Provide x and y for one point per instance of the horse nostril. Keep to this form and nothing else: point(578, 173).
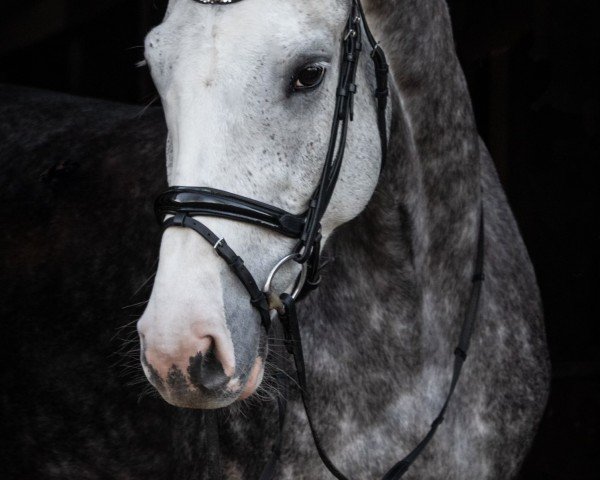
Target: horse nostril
point(206, 344)
point(206, 371)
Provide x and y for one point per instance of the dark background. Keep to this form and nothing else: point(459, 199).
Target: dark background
point(532, 68)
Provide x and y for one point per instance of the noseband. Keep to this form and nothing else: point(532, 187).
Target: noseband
point(178, 206)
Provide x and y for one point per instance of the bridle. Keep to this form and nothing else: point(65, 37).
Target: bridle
point(178, 206)
point(187, 202)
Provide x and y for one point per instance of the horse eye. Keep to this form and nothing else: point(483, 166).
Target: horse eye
point(308, 77)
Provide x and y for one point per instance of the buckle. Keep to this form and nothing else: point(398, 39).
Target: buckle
point(219, 243)
point(375, 48)
point(350, 33)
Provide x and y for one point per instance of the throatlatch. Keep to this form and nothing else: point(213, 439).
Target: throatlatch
point(178, 206)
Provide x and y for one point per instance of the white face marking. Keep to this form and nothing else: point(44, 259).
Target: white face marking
point(224, 74)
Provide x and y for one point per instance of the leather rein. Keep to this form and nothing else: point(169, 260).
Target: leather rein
point(178, 206)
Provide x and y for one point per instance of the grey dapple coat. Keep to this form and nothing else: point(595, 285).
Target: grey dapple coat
point(414, 246)
point(398, 280)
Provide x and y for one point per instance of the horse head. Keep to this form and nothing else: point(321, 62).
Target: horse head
point(248, 92)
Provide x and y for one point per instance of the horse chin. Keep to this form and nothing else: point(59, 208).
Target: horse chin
point(197, 402)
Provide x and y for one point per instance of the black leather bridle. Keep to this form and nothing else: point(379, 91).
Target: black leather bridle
point(178, 206)
point(187, 202)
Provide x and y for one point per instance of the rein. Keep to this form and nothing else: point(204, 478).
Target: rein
point(293, 343)
point(181, 204)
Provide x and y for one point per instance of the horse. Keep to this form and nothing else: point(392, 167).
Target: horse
point(248, 89)
point(78, 177)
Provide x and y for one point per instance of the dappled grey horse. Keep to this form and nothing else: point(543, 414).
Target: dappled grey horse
point(379, 333)
point(248, 91)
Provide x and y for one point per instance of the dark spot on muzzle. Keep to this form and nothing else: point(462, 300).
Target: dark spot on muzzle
point(206, 372)
point(176, 380)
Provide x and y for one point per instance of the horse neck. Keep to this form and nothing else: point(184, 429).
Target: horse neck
point(417, 36)
point(405, 264)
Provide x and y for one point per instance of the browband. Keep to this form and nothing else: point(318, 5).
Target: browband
point(217, 2)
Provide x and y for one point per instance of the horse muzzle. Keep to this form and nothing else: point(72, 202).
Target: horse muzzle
point(196, 373)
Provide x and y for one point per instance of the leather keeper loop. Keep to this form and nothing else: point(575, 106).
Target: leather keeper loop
point(381, 93)
point(459, 352)
point(236, 262)
point(179, 219)
point(478, 277)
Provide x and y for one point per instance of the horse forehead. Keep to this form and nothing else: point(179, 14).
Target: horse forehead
point(220, 46)
point(249, 23)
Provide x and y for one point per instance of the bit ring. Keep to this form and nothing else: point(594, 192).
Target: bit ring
point(300, 280)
